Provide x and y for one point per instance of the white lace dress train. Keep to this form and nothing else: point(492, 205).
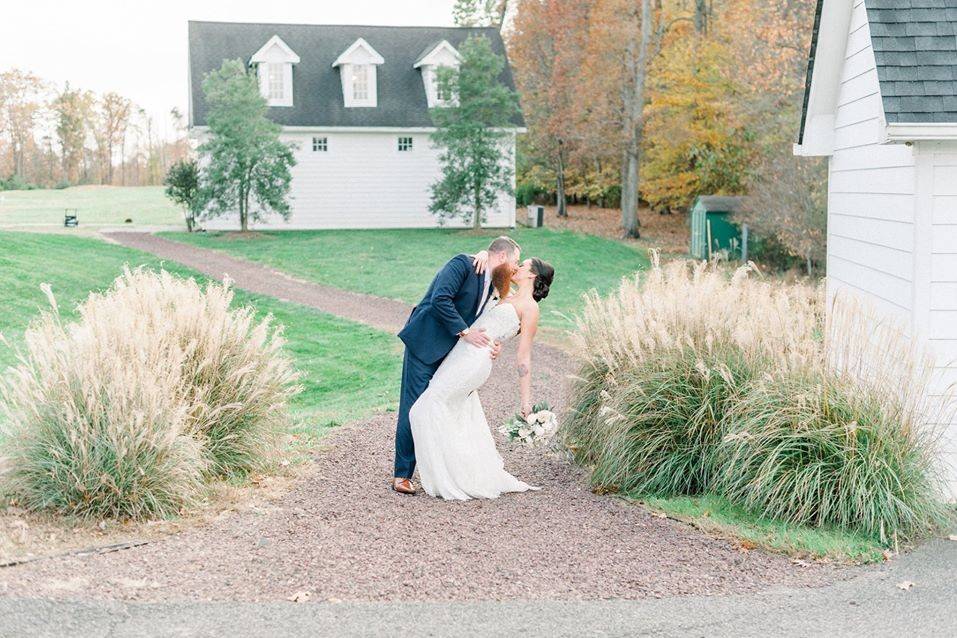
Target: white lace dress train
point(454, 448)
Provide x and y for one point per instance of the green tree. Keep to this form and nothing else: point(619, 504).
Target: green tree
point(473, 134)
point(246, 161)
point(183, 187)
point(479, 13)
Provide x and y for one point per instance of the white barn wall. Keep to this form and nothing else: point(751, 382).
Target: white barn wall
point(364, 181)
point(938, 163)
point(871, 194)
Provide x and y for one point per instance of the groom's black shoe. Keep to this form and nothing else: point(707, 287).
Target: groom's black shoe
point(403, 486)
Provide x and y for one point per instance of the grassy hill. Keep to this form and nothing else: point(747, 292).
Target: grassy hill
point(97, 207)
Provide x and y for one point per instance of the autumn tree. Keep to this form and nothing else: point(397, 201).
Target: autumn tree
point(546, 49)
point(73, 109)
point(112, 120)
point(696, 142)
point(248, 168)
point(471, 134)
point(788, 200)
point(21, 100)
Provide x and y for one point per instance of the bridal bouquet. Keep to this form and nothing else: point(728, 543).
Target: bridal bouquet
point(539, 426)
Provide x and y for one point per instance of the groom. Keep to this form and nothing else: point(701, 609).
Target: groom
point(457, 295)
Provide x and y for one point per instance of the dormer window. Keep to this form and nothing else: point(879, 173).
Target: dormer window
point(275, 81)
point(443, 92)
point(438, 56)
point(360, 82)
point(273, 63)
point(357, 69)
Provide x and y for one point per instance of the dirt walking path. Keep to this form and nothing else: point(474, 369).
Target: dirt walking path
point(385, 314)
point(340, 534)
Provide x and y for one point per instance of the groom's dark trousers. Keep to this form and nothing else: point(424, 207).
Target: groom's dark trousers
point(449, 307)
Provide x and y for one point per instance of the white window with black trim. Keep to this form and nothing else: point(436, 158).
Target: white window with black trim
point(320, 144)
point(405, 143)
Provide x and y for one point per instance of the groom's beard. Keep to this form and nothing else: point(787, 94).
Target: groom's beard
point(502, 279)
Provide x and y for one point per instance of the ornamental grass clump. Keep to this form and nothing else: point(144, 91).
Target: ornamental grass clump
point(693, 380)
point(660, 423)
point(131, 410)
point(846, 442)
point(663, 360)
point(95, 422)
point(237, 379)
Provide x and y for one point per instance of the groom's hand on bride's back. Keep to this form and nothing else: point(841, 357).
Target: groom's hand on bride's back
point(477, 338)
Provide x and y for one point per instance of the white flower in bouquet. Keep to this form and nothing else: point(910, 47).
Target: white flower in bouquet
point(536, 427)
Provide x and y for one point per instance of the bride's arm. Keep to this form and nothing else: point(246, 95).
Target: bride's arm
point(529, 327)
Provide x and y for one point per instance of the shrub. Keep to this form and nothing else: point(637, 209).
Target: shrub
point(693, 381)
point(663, 360)
point(662, 422)
point(95, 422)
point(237, 378)
point(842, 442)
point(528, 193)
point(158, 387)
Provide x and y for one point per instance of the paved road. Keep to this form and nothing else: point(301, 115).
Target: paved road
point(870, 604)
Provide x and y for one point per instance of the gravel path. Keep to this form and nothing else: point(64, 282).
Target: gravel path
point(340, 534)
point(385, 314)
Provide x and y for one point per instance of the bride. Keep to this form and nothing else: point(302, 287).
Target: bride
point(456, 454)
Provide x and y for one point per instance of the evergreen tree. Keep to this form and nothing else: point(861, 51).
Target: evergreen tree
point(182, 186)
point(472, 134)
point(247, 162)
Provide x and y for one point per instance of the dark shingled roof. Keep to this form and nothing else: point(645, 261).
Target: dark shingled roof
point(317, 90)
point(915, 47)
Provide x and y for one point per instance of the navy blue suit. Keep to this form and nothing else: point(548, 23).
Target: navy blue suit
point(448, 307)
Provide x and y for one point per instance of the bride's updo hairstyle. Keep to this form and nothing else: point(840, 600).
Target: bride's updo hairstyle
point(544, 273)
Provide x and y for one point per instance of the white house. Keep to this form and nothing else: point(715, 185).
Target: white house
point(881, 104)
point(355, 101)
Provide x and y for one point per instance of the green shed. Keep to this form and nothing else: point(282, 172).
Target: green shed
point(711, 227)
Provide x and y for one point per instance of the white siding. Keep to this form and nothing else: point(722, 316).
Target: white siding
point(364, 181)
point(939, 162)
point(871, 190)
point(892, 221)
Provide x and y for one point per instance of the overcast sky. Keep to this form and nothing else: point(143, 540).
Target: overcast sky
point(138, 49)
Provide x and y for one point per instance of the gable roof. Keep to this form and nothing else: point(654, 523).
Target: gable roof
point(719, 203)
point(915, 50)
point(355, 46)
point(275, 41)
point(430, 52)
point(317, 89)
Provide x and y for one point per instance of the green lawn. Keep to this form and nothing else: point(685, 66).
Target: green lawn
point(349, 369)
point(715, 514)
point(400, 263)
point(97, 206)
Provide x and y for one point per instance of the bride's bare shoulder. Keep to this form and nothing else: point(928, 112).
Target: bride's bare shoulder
point(527, 309)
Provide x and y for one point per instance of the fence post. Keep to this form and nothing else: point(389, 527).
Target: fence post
point(744, 243)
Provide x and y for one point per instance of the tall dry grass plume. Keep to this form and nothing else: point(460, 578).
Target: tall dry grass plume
point(126, 412)
point(694, 379)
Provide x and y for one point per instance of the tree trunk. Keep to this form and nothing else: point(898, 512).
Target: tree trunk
point(635, 125)
point(701, 17)
point(560, 198)
point(629, 190)
point(477, 219)
point(243, 210)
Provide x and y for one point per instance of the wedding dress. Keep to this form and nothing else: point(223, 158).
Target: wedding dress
point(454, 448)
